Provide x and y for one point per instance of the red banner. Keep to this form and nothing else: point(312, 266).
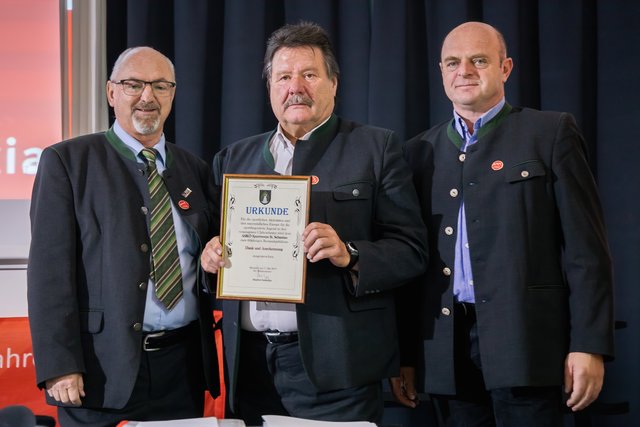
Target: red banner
point(18, 377)
point(17, 373)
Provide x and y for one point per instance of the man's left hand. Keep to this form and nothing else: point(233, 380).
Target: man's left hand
point(322, 242)
point(583, 377)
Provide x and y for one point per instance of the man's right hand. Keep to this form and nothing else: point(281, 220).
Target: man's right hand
point(67, 389)
point(404, 388)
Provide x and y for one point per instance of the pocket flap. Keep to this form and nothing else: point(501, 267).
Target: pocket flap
point(353, 191)
point(526, 170)
point(91, 321)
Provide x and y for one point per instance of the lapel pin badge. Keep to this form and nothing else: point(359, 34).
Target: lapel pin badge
point(314, 179)
point(184, 205)
point(186, 192)
point(497, 165)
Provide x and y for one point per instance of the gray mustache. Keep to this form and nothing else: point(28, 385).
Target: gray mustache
point(146, 105)
point(297, 100)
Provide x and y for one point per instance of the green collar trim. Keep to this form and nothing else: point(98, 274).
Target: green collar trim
point(266, 153)
point(326, 129)
point(126, 152)
point(457, 140)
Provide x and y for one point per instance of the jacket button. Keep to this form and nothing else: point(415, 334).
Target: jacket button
point(142, 286)
point(524, 174)
point(462, 156)
point(355, 192)
point(144, 210)
point(137, 326)
point(141, 171)
point(446, 271)
point(448, 231)
point(144, 247)
point(453, 192)
point(445, 311)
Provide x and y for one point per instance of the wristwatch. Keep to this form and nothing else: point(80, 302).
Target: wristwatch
point(353, 253)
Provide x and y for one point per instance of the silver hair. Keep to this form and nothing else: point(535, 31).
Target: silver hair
point(133, 50)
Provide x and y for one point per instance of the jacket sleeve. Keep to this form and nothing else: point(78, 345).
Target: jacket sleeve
point(51, 274)
point(586, 257)
point(398, 251)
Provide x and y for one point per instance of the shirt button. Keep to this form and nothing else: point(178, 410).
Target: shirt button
point(448, 231)
point(524, 174)
point(144, 210)
point(466, 245)
point(137, 326)
point(355, 192)
point(445, 311)
point(453, 192)
point(446, 271)
point(470, 282)
point(142, 286)
point(144, 247)
point(462, 156)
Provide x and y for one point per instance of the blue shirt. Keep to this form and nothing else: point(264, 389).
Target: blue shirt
point(156, 316)
point(462, 274)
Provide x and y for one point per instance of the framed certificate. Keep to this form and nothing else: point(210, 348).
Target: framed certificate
point(263, 218)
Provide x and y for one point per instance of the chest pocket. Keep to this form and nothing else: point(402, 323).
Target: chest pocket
point(354, 191)
point(525, 171)
point(350, 211)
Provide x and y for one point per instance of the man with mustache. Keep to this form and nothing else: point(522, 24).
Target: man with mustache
point(323, 359)
point(516, 305)
point(120, 320)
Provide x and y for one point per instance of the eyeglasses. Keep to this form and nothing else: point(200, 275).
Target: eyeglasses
point(134, 87)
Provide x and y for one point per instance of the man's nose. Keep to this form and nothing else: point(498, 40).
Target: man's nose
point(465, 68)
point(296, 84)
point(147, 92)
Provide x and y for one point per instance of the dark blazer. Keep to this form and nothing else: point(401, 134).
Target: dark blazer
point(347, 336)
point(539, 254)
point(89, 261)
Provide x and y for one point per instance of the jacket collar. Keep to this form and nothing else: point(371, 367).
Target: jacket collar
point(125, 152)
point(457, 140)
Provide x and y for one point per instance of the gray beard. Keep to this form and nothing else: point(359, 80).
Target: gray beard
point(146, 127)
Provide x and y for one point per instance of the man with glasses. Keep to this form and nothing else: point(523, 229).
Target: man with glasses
point(120, 320)
point(517, 300)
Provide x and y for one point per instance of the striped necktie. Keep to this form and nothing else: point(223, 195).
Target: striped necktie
point(165, 269)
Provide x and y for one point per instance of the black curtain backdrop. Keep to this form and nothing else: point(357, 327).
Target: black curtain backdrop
point(580, 56)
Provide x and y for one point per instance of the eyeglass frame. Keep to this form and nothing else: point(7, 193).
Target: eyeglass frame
point(144, 85)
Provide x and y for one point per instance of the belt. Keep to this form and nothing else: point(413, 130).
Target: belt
point(277, 337)
point(154, 341)
point(273, 337)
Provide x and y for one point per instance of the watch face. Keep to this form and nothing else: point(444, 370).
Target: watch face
point(353, 254)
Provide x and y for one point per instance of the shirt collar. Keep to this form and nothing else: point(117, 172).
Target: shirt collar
point(461, 126)
point(280, 133)
point(136, 147)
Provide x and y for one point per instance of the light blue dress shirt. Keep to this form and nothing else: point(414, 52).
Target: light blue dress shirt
point(462, 274)
point(156, 316)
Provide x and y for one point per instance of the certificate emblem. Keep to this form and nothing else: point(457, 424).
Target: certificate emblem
point(265, 197)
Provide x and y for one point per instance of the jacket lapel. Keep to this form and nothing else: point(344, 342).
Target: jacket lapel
point(308, 153)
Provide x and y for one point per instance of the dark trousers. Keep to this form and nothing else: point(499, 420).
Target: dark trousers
point(474, 406)
point(170, 385)
point(272, 381)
